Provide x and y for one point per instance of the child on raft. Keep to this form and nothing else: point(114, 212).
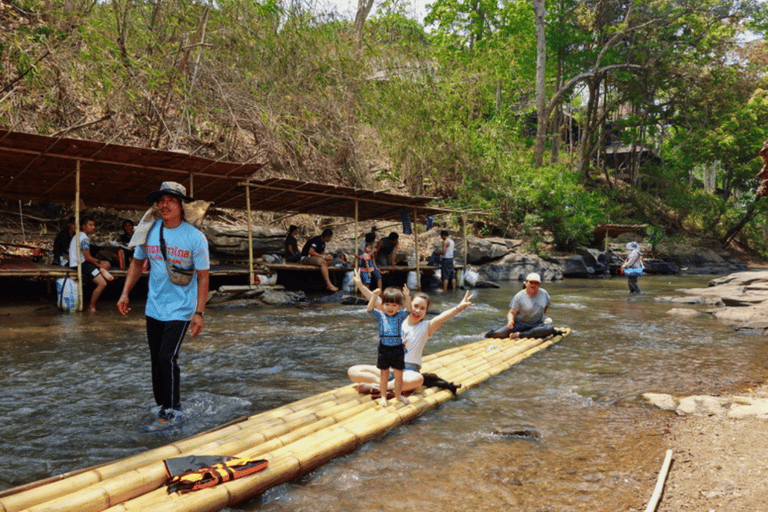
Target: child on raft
point(389, 314)
point(416, 332)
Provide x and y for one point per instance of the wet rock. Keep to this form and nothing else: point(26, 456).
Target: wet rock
point(281, 297)
point(684, 312)
point(515, 267)
point(483, 250)
point(575, 266)
point(734, 407)
point(661, 400)
point(518, 432)
point(742, 298)
point(486, 284)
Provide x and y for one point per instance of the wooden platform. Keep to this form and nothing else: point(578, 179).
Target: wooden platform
point(27, 268)
point(294, 438)
point(30, 269)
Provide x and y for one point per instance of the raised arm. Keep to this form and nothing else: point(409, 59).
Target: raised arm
point(372, 301)
point(407, 298)
point(440, 319)
point(362, 288)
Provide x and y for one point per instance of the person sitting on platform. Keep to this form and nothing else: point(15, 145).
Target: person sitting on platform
point(385, 253)
point(313, 253)
point(61, 243)
point(96, 269)
point(291, 253)
point(368, 267)
point(369, 239)
point(525, 318)
point(125, 255)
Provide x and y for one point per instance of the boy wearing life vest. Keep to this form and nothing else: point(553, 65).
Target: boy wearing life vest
point(390, 315)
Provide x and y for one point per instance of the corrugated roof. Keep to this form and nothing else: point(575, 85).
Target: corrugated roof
point(40, 168)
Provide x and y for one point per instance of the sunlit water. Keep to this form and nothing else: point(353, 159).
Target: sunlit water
point(76, 392)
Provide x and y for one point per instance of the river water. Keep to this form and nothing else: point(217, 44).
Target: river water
point(76, 392)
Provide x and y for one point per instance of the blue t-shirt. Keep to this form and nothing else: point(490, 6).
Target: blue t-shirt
point(186, 247)
point(390, 326)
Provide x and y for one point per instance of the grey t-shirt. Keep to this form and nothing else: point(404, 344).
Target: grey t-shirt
point(530, 310)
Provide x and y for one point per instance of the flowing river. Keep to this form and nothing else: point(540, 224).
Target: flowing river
point(76, 392)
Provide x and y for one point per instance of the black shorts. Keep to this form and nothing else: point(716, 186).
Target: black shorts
point(89, 269)
point(446, 269)
point(391, 357)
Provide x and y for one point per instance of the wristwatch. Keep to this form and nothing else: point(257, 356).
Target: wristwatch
point(199, 313)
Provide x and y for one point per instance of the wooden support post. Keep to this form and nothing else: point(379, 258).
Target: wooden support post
point(466, 244)
point(191, 185)
point(250, 234)
point(415, 225)
point(78, 253)
point(355, 245)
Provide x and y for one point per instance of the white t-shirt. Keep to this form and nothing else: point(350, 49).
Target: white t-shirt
point(449, 250)
point(415, 338)
point(85, 245)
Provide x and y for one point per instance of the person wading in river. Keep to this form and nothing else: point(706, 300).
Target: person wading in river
point(178, 289)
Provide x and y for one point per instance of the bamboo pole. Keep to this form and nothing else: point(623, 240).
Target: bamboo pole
point(78, 252)
point(294, 438)
point(250, 233)
point(654, 501)
point(416, 246)
point(466, 245)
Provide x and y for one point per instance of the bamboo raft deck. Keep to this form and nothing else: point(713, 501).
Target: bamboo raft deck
point(295, 439)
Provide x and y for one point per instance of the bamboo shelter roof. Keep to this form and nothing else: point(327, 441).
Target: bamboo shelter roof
point(41, 168)
point(294, 196)
point(616, 229)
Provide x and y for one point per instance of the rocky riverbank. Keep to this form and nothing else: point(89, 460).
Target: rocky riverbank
point(740, 299)
point(491, 260)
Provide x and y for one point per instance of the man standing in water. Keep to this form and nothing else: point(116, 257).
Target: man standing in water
point(175, 302)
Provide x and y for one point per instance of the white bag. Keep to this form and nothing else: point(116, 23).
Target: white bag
point(412, 281)
point(471, 277)
point(66, 294)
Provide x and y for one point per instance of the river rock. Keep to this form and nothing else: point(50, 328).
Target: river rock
point(574, 266)
point(515, 267)
point(684, 312)
point(734, 407)
point(483, 250)
point(701, 261)
point(231, 240)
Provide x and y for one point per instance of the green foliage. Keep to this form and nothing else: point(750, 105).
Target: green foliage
point(447, 111)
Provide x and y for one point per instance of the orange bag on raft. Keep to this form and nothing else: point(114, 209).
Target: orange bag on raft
point(217, 473)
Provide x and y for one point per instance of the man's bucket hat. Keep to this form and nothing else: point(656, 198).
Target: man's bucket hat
point(169, 188)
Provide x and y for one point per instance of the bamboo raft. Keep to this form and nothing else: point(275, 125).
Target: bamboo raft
point(294, 438)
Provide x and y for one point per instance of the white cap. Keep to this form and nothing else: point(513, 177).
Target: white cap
point(533, 276)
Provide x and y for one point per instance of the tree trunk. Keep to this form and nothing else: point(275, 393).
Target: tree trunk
point(541, 99)
point(363, 10)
